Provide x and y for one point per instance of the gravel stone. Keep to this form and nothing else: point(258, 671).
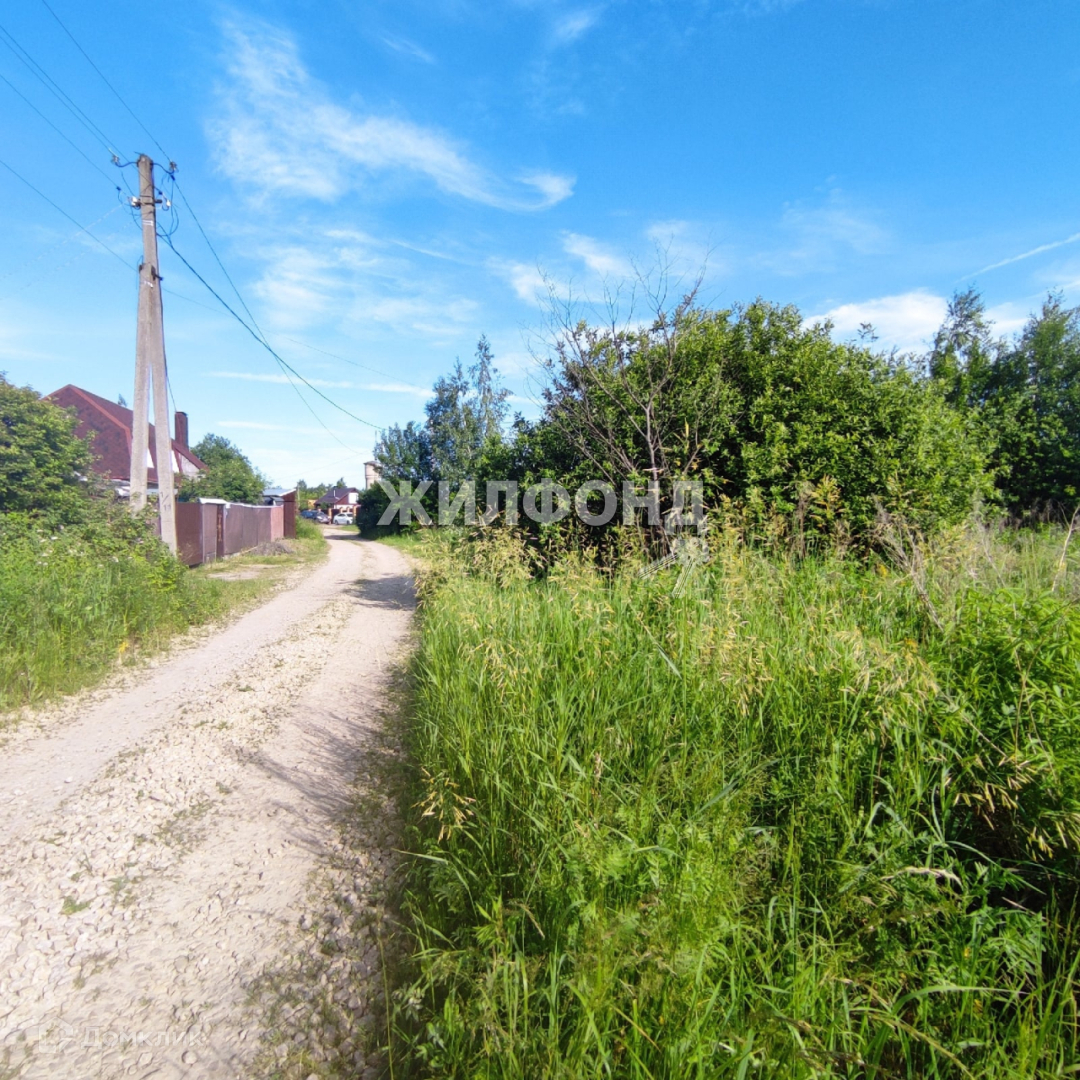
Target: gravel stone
point(173, 841)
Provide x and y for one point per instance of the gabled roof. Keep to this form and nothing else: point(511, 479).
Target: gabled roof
point(337, 495)
point(110, 425)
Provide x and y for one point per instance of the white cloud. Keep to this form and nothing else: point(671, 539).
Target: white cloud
point(281, 132)
point(574, 24)
point(683, 246)
point(527, 281)
point(407, 48)
point(255, 425)
point(597, 258)
point(1028, 254)
point(552, 187)
point(1008, 318)
point(325, 384)
point(907, 321)
point(825, 232)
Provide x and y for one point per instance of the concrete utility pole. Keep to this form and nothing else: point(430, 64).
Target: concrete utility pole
point(150, 366)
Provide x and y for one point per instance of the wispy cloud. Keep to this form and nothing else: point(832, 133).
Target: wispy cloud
point(323, 384)
point(906, 321)
point(526, 280)
point(1026, 255)
point(255, 425)
point(281, 131)
point(824, 232)
point(574, 24)
point(407, 48)
point(599, 259)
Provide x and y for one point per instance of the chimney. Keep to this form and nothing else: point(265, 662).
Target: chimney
point(180, 427)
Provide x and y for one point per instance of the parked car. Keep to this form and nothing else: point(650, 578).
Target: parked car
point(343, 519)
point(311, 515)
point(322, 519)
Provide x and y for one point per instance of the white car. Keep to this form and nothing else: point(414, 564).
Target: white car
point(343, 519)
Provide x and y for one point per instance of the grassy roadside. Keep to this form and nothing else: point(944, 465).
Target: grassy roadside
point(74, 606)
point(810, 818)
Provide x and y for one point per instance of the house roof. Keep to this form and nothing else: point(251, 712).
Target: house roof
point(336, 495)
point(109, 425)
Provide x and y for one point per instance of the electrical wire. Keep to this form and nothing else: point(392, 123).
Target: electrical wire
point(116, 93)
point(50, 84)
point(78, 149)
point(286, 367)
point(236, 291)
point(343, 359)
point(22, 267)
point(217, 258)
point(61, 210)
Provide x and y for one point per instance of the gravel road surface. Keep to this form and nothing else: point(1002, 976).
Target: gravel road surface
point(194, 867)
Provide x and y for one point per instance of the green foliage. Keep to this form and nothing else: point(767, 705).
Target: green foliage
point(230, 475)
point(763, 410)
point(1024, 399)
point(75, 601)
point(41, 461)
point(811, 818)
point(307, 529)
point(306, 492)
point(464, 416)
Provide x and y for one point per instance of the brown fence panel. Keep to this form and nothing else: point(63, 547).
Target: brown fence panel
point(189, 532)
point(210, 532)
point(246, 527)
point(277, 522)
point(290, 516)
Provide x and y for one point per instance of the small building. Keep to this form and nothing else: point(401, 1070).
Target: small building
point(338, 500)
point(108, 427)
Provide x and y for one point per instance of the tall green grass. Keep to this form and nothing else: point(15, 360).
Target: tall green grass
point(811, 818)
point(77, 602)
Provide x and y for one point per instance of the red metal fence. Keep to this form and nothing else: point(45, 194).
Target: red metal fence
point(211, 530)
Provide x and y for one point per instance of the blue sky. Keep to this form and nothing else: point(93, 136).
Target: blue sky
point(386, 181)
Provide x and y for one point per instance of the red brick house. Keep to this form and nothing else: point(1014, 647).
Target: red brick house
point(108, 426)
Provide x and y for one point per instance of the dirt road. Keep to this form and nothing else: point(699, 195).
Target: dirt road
point(176, 863)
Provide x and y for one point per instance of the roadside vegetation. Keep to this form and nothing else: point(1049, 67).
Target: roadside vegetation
point(84, 586)
point(815, 816)
point(797, 797)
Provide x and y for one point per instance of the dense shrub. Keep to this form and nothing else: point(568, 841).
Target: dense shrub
point(806, 818)
point(83, 597)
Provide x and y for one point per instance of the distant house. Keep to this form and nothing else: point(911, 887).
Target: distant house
point(338, 500)
point(108, 426)
point(278, 496)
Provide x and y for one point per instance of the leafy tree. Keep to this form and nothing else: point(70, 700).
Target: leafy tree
point(964, 352)
point(768, 413)
point(1032, 401)
point(230, 475)
point(1024, 398)
point(42, 463)
point(464, 421)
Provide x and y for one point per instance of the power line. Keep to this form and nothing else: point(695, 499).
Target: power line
point(213, 251)
point(343, 359)
point(61, 210)
point(236, 291)
point(78, 149)
point(49, 250)
point(116, 93)
point(288, 368)
point(50, 84)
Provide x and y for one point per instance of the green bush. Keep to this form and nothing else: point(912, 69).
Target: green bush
point(78, 600)
point(808, 818)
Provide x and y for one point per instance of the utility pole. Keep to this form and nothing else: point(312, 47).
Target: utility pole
point(150, 367)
